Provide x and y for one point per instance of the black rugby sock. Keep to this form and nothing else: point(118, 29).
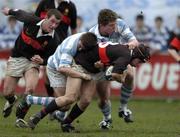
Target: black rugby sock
point(11, 99)
point(75, 112)
point(50, 108)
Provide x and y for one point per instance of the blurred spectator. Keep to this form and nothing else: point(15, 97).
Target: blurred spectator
point(10, 32)
point(174, 48)
point(142, 31)
point(1, 35)
point(160, 37)
point(176, 30)
point(79, 22)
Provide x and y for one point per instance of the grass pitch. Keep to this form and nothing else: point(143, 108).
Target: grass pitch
point(153, 118)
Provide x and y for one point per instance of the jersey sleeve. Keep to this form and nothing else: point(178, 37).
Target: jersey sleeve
point(124, 30)
point(65, 60)
point(24, 16)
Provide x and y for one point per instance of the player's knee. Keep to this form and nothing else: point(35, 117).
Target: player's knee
point(70, 98)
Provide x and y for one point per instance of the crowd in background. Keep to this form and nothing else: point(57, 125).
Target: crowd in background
point(156, 37)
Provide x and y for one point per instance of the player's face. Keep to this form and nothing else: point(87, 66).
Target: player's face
point(108, 29)
point(51, 24)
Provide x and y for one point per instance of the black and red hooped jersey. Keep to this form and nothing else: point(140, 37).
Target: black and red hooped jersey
point(68, 10)
point(28, 44)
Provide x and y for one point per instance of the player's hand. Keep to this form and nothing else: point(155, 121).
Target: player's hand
point(86, 76)
point(37, 59)
point(5, 11)
point(99, 65)
point(132, 44)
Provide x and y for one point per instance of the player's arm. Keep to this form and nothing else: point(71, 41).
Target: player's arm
point(21, 15)
point(68, 71)
point(109, 75)
point(127, 34)
point(65, 68)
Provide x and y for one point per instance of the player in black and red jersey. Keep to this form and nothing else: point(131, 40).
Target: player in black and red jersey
point(37, 41)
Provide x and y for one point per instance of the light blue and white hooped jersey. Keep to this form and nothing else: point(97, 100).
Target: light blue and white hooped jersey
point(121, 35)
point(65, 52)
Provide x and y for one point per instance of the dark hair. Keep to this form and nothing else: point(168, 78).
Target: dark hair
point(54, 12)
point(159, 18)
point(142, 52)
point(139, 17)
point(106, 15)
point(88, 40)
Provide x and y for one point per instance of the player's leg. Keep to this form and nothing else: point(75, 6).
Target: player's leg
point(72, 88)
point(86, 95)
point(49, 89)
point(31, 77)
point(57, 81)
point(13, 72)
point(8, 93)
point(103, 90)
point(126, 92)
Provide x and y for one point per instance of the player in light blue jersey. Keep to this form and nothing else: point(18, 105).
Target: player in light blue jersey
point(61, 66)
point(112, 28)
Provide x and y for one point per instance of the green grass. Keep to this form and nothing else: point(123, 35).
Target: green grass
point(153, 118)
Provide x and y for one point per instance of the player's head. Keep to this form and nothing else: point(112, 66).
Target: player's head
point(87, 41)
point(139, 20)
point(140, 54)
point(52, 20)
point(107, 21)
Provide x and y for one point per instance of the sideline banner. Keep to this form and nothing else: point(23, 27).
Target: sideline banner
point(159, 78)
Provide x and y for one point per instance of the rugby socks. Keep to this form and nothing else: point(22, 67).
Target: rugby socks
point(10, 99)
point(75, 112)
point(125, 95)
point(22, 109)
point(38, 100)
point(106, 110)
point(50, 108)
point(49, 89)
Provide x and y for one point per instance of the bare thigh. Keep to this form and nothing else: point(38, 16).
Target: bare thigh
point(31, 78)
point(72, 90)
